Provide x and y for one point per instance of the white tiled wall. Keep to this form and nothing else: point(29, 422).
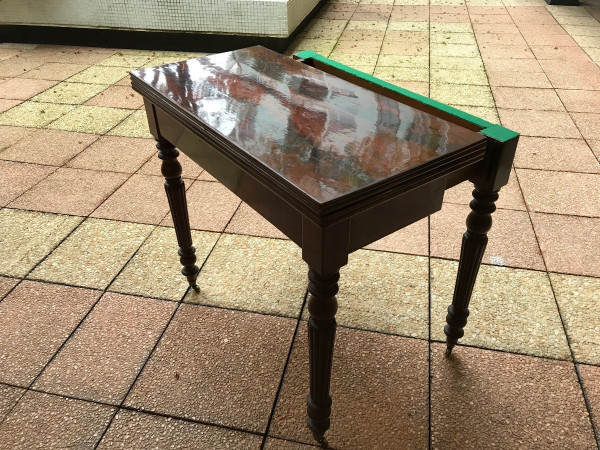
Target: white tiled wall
point(258, 17)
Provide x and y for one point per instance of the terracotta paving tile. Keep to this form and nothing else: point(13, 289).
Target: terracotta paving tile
point(410, 13)
point(136, 125)
point(55, 71)
point(547, 29)
point(512, 241)
point(529, 402)
point(515, 65)
point(66, 423)
point(374, 375)
point(505, 51)
point(579, 302)
point(518, 79)
point(458, 94)
point(595, 146)
point(384, 292)
point(559, 52)
point(562, 74)
point(50, 147)
point(117, 97)
point(588, 124)
point(539, 123)
point(491, 18)
point(73, 55)
point(90, 119)
point(510, 195)
point(15, 66)
point(580, 100)
point(527, 98)
point(210, 205)
point(102, 358)
point(254, 274)
point(591, 384)
point(6, 284)
point(155, 269)
point(280, 444)
point(70, 93)
point(553, 40)
point(9, 396)
point(572, 155)
point(140, 199)
point(143, 431)
point(189, 168)
point(247, 221)
point(93, 254)
point(100, 75)
point(495, 39)
point(413, 239)
point(35, 319)
point(511, 309)
point(570, 244)
point(324, 29)
point(11, 135)
point(5, 104)
point(33, 114)
point(23, 88)
point(238, 356)
point(70, 191)
point(26, 237)
point(17, 178)
point(570, 193)
point(496, 28)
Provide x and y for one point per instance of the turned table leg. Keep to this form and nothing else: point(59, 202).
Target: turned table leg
point(479, 222)
point(175, 189)
point(322, 306)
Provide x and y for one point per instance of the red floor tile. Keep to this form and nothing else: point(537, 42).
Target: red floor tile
point(570, 155)
point(527, 98)
point(539, 123)
point(591, 383)
point(23, 88)
point(18, 178)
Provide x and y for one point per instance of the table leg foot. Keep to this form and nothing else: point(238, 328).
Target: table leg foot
point(479, 222)
point(322, 306)
point(175, 189)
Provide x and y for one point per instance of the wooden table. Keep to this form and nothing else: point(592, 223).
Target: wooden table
point(334, 158)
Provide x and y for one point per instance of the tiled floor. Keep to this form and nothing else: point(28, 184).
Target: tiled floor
point(103, 346)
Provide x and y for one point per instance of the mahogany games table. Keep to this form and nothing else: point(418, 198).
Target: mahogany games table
point(334, 158)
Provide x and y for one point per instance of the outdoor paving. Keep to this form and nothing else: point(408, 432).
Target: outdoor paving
point(103, 346)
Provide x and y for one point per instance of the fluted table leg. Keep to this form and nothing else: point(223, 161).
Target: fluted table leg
point(322, 306)
point(479, 222)
point(175, 189)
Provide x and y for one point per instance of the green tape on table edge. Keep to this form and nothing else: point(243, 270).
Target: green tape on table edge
point(493, 131)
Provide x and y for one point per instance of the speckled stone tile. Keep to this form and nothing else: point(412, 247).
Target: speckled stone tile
point(140, 199)
point(403, 61)
point(121, 59)
point(35, 319)
point(401, 74)
point(50, 147)
point(189, 168)
point(324, 29)
point(413, 239)
point(115, 154)
point(254, 274)
point(210, 205)
point(511, 309)
point(5, 104)
point(454, 50)
point(155, 269)
point(518, 79)
point(9, 396)
point(476, 77)
point(595, 146)
point(55, 71)
point(453, 38)
point(100, 75)
point(462, 94)
point(93, 254)
point(280, 444)
point(580, 100)
point(18, 177)
point(66, 423)
point(591, 384)
point(90, 119)
point(517, 66)
point(483, 112)
point(514, 401)
point(70, 191)
point(588, 124)
point(102, 358)
point(118, 97)
point(322, 46)
point(579, 302)
point(571, 155)
point(238, 356)
point(375, 376)
point(510, 195)
point(385, 292)
point(136, 125)
point(527, 98)
point(23, 88)
point(354, 59)
point(70, 93)
point(33, 114)
point(570, 194)
point(562, 74)
point(26, 237)
point(247, 221)
point(6, 284)
point(567, 251)
point(135, 430)
point(539, 123)
point(512, 241)
point(451, 27)
point(13, 67)
point(12, 135)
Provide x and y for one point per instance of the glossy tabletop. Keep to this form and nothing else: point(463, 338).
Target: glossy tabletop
point(326, 136)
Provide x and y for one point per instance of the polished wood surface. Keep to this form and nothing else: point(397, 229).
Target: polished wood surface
point(325, 136)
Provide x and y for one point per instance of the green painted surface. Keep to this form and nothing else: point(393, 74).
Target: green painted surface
point(488, 129)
